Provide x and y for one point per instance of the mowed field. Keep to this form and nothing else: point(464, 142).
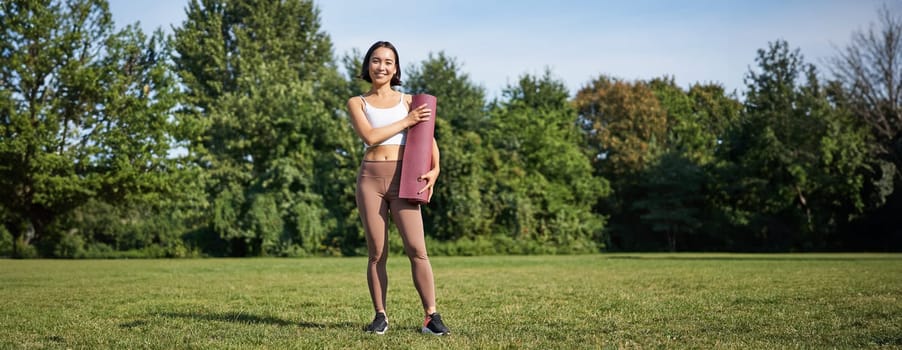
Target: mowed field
point(747, 301)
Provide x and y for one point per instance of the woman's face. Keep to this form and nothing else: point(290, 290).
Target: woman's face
point(382, 65)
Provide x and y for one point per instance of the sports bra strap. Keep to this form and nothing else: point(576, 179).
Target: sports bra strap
point(367, 104)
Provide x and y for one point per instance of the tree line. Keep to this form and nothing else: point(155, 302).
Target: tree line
point(230, 137)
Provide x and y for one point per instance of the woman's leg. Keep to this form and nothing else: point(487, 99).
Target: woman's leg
point(407, 217)
point(374, 216)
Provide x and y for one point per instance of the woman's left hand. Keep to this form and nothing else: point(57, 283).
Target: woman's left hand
point(430, 177)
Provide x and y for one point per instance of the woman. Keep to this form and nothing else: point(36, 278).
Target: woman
point(381, 118)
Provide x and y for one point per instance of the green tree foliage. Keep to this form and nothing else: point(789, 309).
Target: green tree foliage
point(697, 119)
point(623, 122)
point(794, 159)
point(672, 197)
point(715, 110)
point(457, 209)
point(667, 199)
point(84, 115)
point(662, 197)
point(683, 130)
point(265, 102)
point(544, 187)
point(232, 138)
point(464, 109)
point(625, 129)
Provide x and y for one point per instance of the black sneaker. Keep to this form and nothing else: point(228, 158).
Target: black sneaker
point(433, 325)
point(379, 325)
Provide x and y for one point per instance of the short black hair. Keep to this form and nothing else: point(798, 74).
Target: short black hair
point(365, 70)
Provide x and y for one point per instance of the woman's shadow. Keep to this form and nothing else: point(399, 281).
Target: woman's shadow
point(240, 317)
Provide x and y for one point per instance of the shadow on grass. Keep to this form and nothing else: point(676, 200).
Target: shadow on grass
point(887, 340)
point(239, 317)
point(760, 257)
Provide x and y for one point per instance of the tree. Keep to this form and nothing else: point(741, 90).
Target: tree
point(794, 159)
point(84, 113)
point(696, 119)
point(868, 79)
point(674, 197)
point(266, 103)
point(667, 199)
point(457, 209)
point(716, 110)
point(870, 70)
point(623, 121)
point(544, 188)
point(624, 127)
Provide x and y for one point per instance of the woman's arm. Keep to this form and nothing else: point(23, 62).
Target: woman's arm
point(435, 155)
point(372, 135)
point(431, 175)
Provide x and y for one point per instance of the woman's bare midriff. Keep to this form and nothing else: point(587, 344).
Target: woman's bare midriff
point(384, 153)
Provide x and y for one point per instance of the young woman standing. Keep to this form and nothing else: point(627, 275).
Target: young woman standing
point(381, 118)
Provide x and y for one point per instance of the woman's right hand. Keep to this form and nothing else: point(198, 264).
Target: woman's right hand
point(419, 114)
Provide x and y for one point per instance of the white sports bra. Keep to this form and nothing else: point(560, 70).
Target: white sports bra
point(379, 117)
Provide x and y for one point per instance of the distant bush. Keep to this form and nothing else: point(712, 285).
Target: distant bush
point(6, 243)
point(70, 245)
point(505, 245)
point(104, 251)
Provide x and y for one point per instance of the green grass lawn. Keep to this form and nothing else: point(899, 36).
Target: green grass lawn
point(592, 301)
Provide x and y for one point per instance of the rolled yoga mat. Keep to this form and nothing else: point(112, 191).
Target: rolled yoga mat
point(418, 153)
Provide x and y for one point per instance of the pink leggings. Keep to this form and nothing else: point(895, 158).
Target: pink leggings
point(377, 195)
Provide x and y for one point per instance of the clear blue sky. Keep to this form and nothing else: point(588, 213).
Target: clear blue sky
point(496, 41)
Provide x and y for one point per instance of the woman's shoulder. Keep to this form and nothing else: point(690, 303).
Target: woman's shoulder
point(355, 100)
